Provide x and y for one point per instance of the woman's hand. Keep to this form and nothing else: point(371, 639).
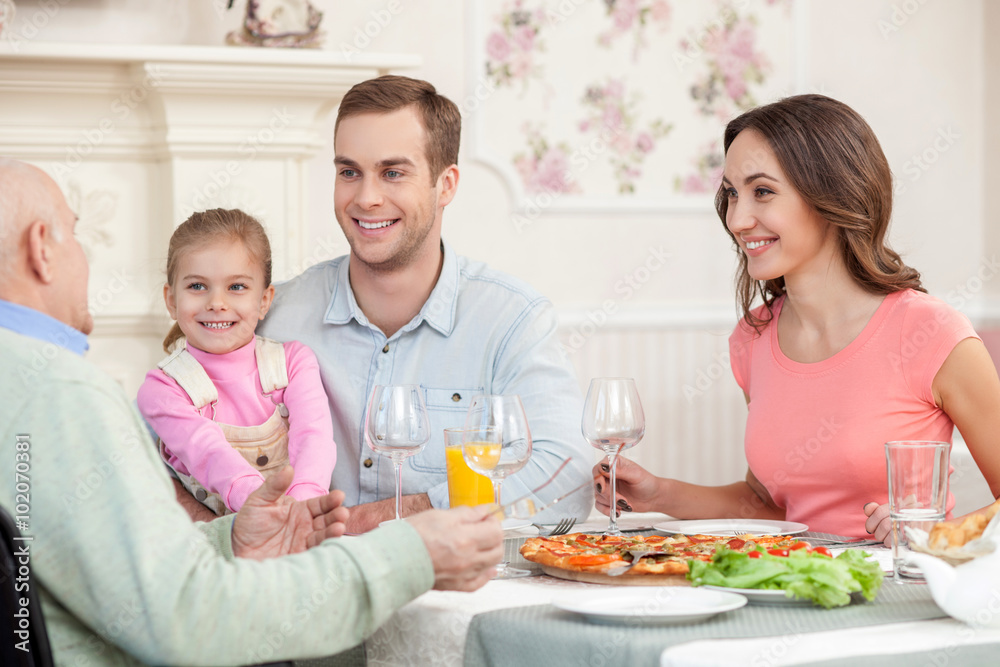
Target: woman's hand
point(879, 524)
point(637, 487)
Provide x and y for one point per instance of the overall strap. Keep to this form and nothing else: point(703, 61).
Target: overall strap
point(271, 364)
point(184, 369)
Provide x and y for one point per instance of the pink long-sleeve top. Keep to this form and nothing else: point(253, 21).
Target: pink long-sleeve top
point(197, 445)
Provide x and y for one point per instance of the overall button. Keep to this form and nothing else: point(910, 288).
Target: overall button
point(456, 397)
point(262, 460)
point(386, 348)
point(201, 494)
point(368, 463)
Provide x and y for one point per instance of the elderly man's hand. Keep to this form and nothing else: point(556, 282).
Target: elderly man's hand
point(464, 544)
point(271, 524)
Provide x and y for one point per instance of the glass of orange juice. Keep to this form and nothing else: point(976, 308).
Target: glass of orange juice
point(464, 486)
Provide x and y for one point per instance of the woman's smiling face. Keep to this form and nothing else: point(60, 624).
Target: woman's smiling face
point(780, 232)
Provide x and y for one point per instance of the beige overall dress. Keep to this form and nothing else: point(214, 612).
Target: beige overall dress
point(265, 447)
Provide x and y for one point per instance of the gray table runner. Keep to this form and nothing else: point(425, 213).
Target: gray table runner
point(518, 636)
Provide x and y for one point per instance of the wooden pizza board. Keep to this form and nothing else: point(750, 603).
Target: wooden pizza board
point(623, 580)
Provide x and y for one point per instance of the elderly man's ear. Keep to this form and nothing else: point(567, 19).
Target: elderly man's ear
point(41, 239)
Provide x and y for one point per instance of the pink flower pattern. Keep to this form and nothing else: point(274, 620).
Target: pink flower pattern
point(733, 63)
point(513, 44)
point(611, 115)
point(544, 168)
point(707, 174)
point(634, 16)
point(724, 72)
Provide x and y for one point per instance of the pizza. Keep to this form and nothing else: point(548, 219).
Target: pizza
point(583, 552)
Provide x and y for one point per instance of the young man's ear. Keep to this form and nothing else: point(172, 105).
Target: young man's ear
point(447, 185)
point(40, 256)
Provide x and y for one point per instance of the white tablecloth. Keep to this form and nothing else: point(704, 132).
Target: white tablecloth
point(432, 629)
point(937, 638)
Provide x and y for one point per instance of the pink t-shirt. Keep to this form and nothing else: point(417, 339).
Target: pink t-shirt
point(815, 432)
point(197, 445)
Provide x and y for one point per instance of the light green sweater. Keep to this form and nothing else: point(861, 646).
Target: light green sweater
point(126, 578)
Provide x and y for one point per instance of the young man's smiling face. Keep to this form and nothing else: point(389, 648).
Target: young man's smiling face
point(386, 199)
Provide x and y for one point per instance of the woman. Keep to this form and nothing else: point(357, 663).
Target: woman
point(847, 350)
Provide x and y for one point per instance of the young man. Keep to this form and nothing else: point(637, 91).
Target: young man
point(403, 308)
point(124, 576)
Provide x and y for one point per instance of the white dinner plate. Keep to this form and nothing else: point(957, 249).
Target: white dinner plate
point(773, 597)
point(650, 606)
point(730, 527)
point(514, 524)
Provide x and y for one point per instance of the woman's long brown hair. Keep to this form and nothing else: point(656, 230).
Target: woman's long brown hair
point(833, 159)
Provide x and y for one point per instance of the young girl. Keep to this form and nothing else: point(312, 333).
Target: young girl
point(231, 408)
point(847, 351)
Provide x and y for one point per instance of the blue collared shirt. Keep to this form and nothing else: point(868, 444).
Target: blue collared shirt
point(29, 322)
point(480, 331)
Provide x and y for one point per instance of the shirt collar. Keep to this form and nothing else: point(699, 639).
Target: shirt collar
point(29, 322)
point(438, 311)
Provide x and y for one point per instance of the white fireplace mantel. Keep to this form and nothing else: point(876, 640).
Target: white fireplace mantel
point(139, 137)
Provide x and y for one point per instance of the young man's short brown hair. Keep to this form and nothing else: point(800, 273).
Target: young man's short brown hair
point(441, 118)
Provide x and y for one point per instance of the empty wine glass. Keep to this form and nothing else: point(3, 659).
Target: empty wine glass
point(613, 421)
point(396, 426)
point(496, 444)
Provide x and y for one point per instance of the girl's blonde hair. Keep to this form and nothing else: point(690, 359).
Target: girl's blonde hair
point(210, 226)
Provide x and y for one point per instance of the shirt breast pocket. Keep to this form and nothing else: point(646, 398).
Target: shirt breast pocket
point(446, 408)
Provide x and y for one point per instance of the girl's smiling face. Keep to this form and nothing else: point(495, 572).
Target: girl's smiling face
point(781, 233)
point(218, 296)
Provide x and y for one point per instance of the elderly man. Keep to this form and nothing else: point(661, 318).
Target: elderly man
point(125, 576)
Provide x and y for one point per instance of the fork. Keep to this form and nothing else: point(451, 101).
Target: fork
point(560, 528)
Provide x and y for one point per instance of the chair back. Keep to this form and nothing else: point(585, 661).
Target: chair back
point(25, 642)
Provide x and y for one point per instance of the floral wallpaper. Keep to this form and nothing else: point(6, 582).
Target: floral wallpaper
point(623, 100)
point(513, 46)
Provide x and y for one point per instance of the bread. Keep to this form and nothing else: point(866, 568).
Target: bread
point(952, 535)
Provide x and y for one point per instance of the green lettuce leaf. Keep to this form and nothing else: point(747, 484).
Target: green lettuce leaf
point(826, 581)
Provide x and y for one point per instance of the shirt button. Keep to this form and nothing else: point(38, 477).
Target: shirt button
point(456, 397)
point(368, 463)
point(262, 460)
point(386, 348)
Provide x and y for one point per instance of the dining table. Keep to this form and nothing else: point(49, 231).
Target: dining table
point(525, 621)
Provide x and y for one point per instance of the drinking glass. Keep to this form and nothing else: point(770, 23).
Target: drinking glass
point(918, 491)
point(496, 444)
point(396, 426)
point(465, 486)
point(499, 425)
point(613, 421)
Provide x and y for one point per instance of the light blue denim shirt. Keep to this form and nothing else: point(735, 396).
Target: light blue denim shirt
point(480, 331)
